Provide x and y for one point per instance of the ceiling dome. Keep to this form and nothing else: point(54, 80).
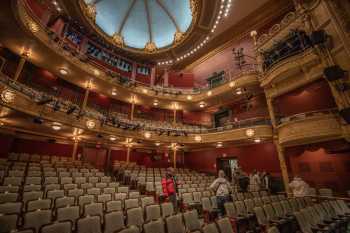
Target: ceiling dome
point(146, 25)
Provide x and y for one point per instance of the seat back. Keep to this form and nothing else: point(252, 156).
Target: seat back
point(192, 220)
point(36, 219)
point(224, 225)
point(174, 224)
point(61, 227)
point(114, 221)
point(89, 224)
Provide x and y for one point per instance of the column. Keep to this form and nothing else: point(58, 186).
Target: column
point(75, 149)
point(108, 159)
point(174, 158)
point(166, 78)
point(86, 97)
point(271, 111)
point(174, 116)
point(283, 165)
point(153, 76)
point(133, 72)
point(128, 150)
point(20, 66)
point(132, 110)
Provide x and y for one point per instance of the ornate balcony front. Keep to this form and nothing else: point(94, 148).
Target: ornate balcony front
point(312, 127)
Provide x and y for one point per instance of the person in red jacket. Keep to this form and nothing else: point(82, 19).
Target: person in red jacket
point(169, 186)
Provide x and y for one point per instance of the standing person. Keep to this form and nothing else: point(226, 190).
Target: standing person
point(243, 181)
point(266, 181)
point(169, 185)
point(222, 189)
point(254, 181)
point(299, 187)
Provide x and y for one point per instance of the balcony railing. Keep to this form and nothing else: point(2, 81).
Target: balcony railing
point(302, 116)
point(118, 120)
point(113, 65)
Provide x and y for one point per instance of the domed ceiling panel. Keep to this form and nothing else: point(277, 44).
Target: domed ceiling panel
point(139, 23)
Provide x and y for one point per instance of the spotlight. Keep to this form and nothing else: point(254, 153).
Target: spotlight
point(38, 120)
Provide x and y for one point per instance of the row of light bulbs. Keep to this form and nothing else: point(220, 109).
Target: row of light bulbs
point(58, 8)
point(225, 7)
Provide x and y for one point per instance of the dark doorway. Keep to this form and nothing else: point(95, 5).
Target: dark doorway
point(228, 165)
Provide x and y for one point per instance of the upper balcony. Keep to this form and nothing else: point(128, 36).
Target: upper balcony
point(287, 55)
point(77, 58)
point(37, 104)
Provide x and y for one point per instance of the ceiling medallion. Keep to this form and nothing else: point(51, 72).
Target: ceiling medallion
point(118, 39)
point(150, 47)
point(178, 37)
point(90, 11)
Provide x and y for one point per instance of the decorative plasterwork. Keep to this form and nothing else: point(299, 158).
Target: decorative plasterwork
point(118, 40)
point(89, 11)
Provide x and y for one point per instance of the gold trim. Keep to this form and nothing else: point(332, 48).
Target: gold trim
point(195, 9)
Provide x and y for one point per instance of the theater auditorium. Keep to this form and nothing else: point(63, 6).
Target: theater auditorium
point(174, 116)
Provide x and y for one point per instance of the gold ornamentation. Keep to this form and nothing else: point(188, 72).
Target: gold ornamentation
point(118, 39)
point(90, 11)
point(8, 96)
point(194, 4)
point(178, 37)
point(150, 47)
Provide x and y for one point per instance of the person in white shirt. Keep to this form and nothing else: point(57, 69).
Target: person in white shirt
point(254, 181)
point(299, 187)
point(222, 188)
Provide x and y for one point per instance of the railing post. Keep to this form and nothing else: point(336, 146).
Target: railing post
point(20, 66)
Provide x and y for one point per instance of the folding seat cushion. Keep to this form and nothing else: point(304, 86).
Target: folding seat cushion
point(86, 186)
point(174, 224)
point(49, 173)
point(69, 186)
point(123, 189)
point(33, 180)
point(79, 180)
point(13, 181)
point(61, 227)
point(154, 226)
point(50, 180)
point(89, 224)
point(94, 209)
point(29, 196)
point(66, 180)
point(113, 206)
point(50, 187)
point(93, 191)
point(99, 174)
point(109, 190)
point(11, 208)
point(105, 179)
point(134, 194)
point(192, 221)
point(9, 188)
point(8, 222)
point(53, 194)
point(75, 193)
point(114, 221)
point(16, 173)
point(131, 229)
point(101, 185)
point(135, 217)
point(210, 228)
point(70, 213)
point(120, 196)
point(145, 201)
point(103, 198)
point(36, 219)
point(93, 179)
point(224, 225)
point(32, 187)
point(85, 199)
point(78, 174)
point(43, 204)
point(131, 203)
point(64, 201)
point(152, 212)
point(64, 174)
point(113, 185)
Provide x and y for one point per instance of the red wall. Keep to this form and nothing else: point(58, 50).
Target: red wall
point(222, 61)
point(181, 79)
point(42, 148)
point(197, 118)
point(319, 168)
point(315, 96)
point(256, 107)
point(95, 156)
point(5, 145)
point(262, 157)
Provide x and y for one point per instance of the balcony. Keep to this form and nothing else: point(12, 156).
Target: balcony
point(27, 101)
point(310, 127)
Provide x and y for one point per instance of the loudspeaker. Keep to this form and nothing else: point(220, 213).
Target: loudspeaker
point(333, 73)
point(345, 114)
point(318, 37)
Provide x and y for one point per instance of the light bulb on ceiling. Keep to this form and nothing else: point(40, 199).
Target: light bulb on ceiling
point(56, 126)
